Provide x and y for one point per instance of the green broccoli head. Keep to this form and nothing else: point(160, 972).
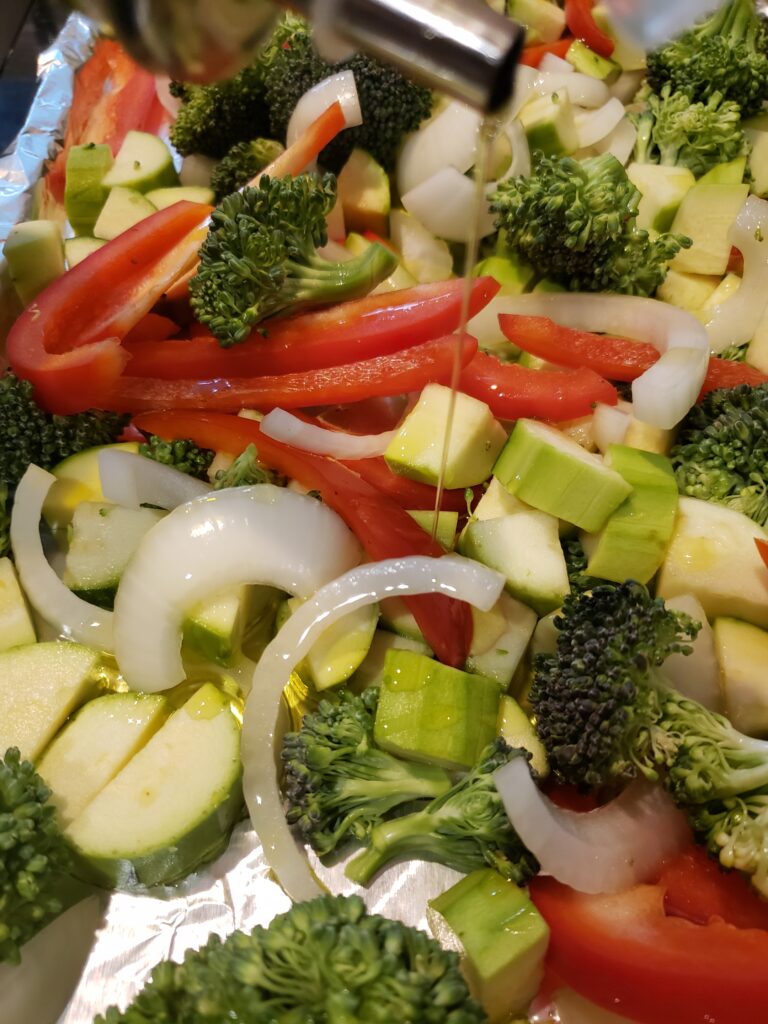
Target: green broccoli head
point(575, 222)
point(337, 784)
point(596, 700)
point(466, 828)
point(391, 105)
point(677, 133)
point(321, 962)
point(734, 831)
point(34, 856)
point(245, 471)
point(242, 163)
point(260, 257)
point(182, 455)
point(726, 53)
point(721, 453)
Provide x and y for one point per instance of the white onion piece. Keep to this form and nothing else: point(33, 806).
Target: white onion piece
point(260, 534)
point(734, 321)
point(520, 165)
point(69, 614)
point(621, 141)
point(626, 85)
point(284, 426)
point(583, 90)
point(606, 850)
point(316, 101)
point(696, 675)
point(665, 392)
point(550, 63)
point(162, 89)
point(609, 425)
point(594, 125)
point(448, 140)
point(445, 205)
point(571, 1008)
point(133, 480)
point(368, 584)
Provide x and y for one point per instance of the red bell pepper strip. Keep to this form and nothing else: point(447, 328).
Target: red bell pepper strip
point(383, 528)
point(697, 889)
point(531, 55)
point(67, 342)
point(512, 391)
point(580, 21)
point(762, 547)
point(407, 493)
point(151, 328)
point(346, 333)
point(383, 375)
point(624, 953)
point(613, 358)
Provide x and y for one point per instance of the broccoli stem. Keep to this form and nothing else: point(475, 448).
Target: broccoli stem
point(320, 281)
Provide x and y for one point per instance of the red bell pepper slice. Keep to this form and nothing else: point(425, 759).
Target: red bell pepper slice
point(383, 528)
point(513, 391)
point(581, 21)
point(67, 341)
point(626, 954)
point(407, 493)
point(697, 889)
point(531, 55)
point(391, 374)
point(373, 326)
point(151, 328)
point(727, 373)
point(762, 547)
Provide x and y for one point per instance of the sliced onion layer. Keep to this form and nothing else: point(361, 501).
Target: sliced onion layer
point(606, 850)
point(367, 584)
point(445, 204)
point(665, 392)
point(52, 600)
point(695, 675)
point(594, 125)
point(620, 142)
point(284, 426)
point(316, 101)
point(447, 140)
point(260, 534)
point(609, 425)
point(132, 481)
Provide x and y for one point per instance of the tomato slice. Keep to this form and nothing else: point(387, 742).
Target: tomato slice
point(383, 528)
point(580, 21)
point(626, 954)
point(373, 326)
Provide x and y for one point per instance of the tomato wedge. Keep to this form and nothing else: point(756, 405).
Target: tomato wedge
point(67, 342)
point(391, 374)
point(383, 528)
point(512, 391)
point(581, 21)
point(374, 326)
point(624, 953)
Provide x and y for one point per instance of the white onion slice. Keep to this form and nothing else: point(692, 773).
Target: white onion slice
point(448, 140)
point(583, 90)
point(445, 205)
point(53, 600)
point(260, 534)
point(695, 675)
point(133, 480)
point(316, 101)
point(626, 85)
point(550, 63)
point(367, 584)
point(284, 426)
point(734, 321)
point(609, 425)
point(594, 125)
point(520, 165)
point(621, 141)
point(665, 392)
point(606, 850)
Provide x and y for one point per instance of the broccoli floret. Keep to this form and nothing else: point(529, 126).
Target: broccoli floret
point(677, 133)
point(212, 118)
point(575, 222)
point(337, 784)
point(726, 53)
point(245, 471)
point(34, 858)
point(182, 455)
point(391, 105)
point(260, 257)
point(721, 453)
point(465, 829)
point(28, 435)
point(322, 962)
point(242, 163)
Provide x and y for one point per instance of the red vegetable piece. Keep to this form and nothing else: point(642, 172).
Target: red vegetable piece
point(580, 21)
point(762, 547)
point(531, 55)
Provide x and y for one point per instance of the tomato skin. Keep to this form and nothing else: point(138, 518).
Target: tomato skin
point(580, 21)
point(383, 528)
point(346, 333)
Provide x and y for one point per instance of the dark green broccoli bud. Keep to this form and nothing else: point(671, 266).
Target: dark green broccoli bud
point(182, 455)
point(5, 521)
point(260, 258)
point(575, 222)
point(576, 564)
point(212, 118)
point(721, 453)
point(464, 829)
point(242, 163)
point(726, 53)
point(245, 471)
point(337, 784)
point(391, 105)
point(597, 701)
point(33, 856)
point(322, 962)
point(677, 133)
